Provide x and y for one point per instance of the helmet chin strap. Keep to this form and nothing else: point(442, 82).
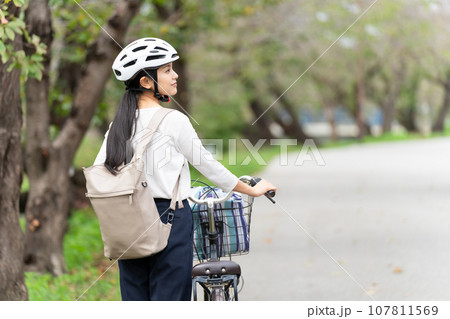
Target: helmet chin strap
point(159, 96)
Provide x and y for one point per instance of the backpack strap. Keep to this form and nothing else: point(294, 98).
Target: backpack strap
point(153, 125)
point(144, 143)
point(176, 194)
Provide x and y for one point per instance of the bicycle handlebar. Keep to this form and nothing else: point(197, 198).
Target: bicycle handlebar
point(210, 201)
point(252, 181)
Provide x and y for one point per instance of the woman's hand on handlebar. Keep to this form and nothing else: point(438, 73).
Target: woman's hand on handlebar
point(262, 187)
point(259, 189)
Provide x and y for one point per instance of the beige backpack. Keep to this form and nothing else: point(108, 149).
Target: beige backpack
point(129, 220)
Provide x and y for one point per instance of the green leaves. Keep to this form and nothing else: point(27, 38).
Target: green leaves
point(10, 27)
point(16, 26)
point(31, 66)
point(4, 49)
point(10, 34)
point(17, 3)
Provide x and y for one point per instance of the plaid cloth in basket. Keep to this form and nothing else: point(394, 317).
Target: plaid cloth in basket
point(231, 223)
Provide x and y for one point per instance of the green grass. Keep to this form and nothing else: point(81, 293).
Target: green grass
point(25, 184)
point(88, 150)
point(22, 222)
point(83, 252)
point(387, 137)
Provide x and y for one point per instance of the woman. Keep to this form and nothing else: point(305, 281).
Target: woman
point(146, 67)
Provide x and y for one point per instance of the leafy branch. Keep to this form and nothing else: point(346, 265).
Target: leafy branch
point(10, 27)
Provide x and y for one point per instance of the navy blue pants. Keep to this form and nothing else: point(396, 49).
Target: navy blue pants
point(167, 274)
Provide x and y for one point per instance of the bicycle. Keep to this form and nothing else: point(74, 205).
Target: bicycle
point(221, 231)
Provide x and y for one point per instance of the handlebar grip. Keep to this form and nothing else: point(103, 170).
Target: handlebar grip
point(269, 194)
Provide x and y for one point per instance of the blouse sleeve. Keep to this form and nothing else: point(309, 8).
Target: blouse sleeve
point(191, 147)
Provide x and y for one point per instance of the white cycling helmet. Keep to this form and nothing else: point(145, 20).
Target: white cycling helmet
point(145, 53)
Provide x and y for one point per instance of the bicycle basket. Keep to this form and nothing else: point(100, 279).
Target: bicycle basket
point(232, 221)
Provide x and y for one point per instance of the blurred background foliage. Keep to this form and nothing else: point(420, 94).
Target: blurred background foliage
point(391, 65)
point(382, 65)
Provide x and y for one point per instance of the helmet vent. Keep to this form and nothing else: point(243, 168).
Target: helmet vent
point(123, 57)
point(117, 73)
point(139, 48)
point(149, 40)
point(154, 57)
point(130, 64)
point(174, 55)
point(159, 48)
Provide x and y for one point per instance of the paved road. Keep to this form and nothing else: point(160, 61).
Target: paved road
point(374, 222)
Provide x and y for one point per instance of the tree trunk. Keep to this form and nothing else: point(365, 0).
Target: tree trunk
point(12, 281)
point(392, 94)
point(335, 97)
point(47, 207)
point(293, 128)
point(329, 114)
point(388, 113)
point(407, 114)
point(440, 120)
point(360, 100)
point(261, 130)
point(45, 226)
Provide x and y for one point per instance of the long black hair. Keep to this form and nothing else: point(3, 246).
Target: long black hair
point(121, 130)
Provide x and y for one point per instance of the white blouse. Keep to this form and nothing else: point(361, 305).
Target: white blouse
point(174, 143)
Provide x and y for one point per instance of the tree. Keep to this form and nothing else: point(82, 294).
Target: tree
point(291, 127)
point(49, 160)
point(248, 70)
point(12, 281)
point(439, 51)
point(408, 102)
point(439, 124)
